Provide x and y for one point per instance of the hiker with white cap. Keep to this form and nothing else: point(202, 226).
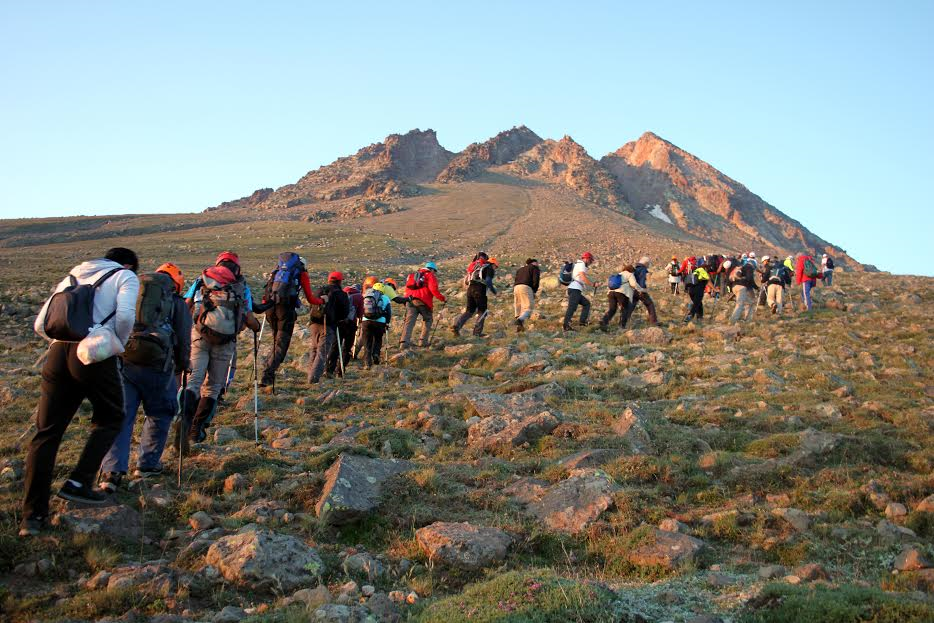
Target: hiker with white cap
point(826, 263)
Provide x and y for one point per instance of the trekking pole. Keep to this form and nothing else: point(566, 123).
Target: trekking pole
point(181, 424)
point(431, 336)
point(340, 351)
point(255, 389)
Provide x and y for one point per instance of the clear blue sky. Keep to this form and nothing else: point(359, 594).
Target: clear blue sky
point(822, 108)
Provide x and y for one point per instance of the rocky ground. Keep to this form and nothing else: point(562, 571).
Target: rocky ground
point(779, 470)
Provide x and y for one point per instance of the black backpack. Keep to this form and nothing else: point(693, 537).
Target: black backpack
point(829, 263)
point(152, 341)
point(566, 276)
point(70, 313)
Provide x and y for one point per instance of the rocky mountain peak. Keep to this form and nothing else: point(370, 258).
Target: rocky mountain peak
point(677, 187)
point(478, 157)
point(567, 163)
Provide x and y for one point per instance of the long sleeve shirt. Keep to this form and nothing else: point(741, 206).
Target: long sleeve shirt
point(118, 294)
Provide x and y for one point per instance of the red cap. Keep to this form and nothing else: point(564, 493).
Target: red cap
point(336, 276)
point(227, 255)
point(587, 255)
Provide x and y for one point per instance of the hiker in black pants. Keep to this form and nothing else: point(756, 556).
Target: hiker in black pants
point(479, 279)
point(576, 292)
point(66, 382)
point(696, 286)
point(281, 298)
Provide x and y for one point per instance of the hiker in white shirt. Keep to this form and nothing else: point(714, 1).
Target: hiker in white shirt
point(576, 292)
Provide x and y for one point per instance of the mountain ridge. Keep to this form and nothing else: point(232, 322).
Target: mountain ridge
point(650, 179)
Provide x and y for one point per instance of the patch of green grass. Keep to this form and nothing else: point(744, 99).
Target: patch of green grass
point(783, 603)
point(773, 446)
point(534, 596)
point(402, 442)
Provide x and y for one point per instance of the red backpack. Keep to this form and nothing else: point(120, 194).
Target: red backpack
point(416, 280)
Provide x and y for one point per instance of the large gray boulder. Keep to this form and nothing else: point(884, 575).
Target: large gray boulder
point(353, 487)
point(265, 560)
point(463, 545)
point(573, 504)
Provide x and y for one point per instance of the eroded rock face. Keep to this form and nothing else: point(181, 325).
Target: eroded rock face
point(568, 164)
point(353, 487)
point(478, 157)
point(666, 549)
point(696, 197)
point(573, 504)
point(265, 560)
point(463, 545)
point(529, 402)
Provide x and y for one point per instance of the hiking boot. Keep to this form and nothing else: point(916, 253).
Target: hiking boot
point(83, 494)
point(687, 318)
point(111, 482)
point(520, 326)
point(148, 472)
point(33, 526)
point(568, 328)
point(604, 327)
point(455, 331)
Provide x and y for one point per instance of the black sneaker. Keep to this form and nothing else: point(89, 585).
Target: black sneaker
point(148, 472)
point(111, 482)
point(83, 494)
point(33, 526)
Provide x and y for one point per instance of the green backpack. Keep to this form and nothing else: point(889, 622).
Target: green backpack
point(810, 269)
point(152, 341)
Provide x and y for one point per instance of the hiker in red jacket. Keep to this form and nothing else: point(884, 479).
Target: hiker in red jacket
point(421, 288)
point(806, 274)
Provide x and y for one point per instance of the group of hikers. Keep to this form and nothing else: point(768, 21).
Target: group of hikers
point(719, 276)
point(123, 340)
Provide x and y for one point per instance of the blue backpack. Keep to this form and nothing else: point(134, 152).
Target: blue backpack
point(282, 288)
point(614, 282)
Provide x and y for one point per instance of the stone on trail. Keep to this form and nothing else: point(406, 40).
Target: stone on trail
point(463, 545)
point(353, 487)
point(113, 521)
point(911, 559)
point(666, 549)
point(264, 560)
point(505, 431)
point(526, 490)
point(261, 511)
point(589, 458)
point(151, 578)
point(655, 336)
point(226, 434)
point(797, 518)
point(926, 505)
point(573, 504)
point(631, 426)
point(528, 402)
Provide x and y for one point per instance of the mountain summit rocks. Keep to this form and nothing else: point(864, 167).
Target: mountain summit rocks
point(665, 188)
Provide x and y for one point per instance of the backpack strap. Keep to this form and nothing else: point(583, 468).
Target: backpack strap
point(99, 283)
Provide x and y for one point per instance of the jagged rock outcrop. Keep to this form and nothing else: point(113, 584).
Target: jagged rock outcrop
point(379, 172)
point(478, 157)
point(668, 183)
point(250, 201)
point(567, 163)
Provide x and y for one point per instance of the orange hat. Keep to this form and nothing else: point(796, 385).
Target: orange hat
point(336, 276)
point(173, 271)
point(368, 282)
point(392, 282)
point(494, 261)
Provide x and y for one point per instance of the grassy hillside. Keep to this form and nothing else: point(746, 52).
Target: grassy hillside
point(723, 429)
